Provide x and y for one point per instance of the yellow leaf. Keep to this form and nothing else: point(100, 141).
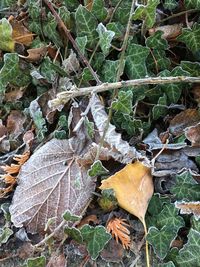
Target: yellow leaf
point(133, 188)
point(6, 41)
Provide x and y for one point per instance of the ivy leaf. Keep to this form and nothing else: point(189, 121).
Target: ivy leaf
point(109, 70)
point(105, 38)
point(147, 13)
point(122, 13)
point(161, 239)
point(191, 37)
point(86, 75)
point(170, 4)
point(124, 102)
point(95, 238)
point(173, 91)
point(82, 42)
point(68, 216)
point(36, 262)
point(7, 3)
point(86, 25)
point(74, 233)
point(5, 234)
point(189, 255)
point(168, 264)
point(192, 67)
point(169, 217)
point(71, 4)
point(89, 127)
point(99, 10)
point(192, 4)
point(160, 110)
point(135, 66)
point(97, 168)
point(117, 28)
point(11, 73)
point(6, 40)
point(65, 16)
point(186, 188)
point(156, 41)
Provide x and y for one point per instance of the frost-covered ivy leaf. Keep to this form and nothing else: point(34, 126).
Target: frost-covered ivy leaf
point(5, 234)
point(117, 28)
point(39, 121)
point(86, 25)
point(186, 188)
point(36, 262)
point(99, 10)
point(105, 38)
point(191, 37)
point(161, 239)
point(6, 41)
point(169, 217)
point(135, 66)
point(170, 4)
point(11, 73)
point(50, 183)
point(192, 4)
point(156, 41)
point(173, 91)
point(147, 13)
point(89, 127)
point(109, 70)
point(123, 103)
point(189, 255)
point(68, 216)
point(74, 233)
point(160, 110)
point(97, 168)
point(82, 42)
point(130, 125)
point(95, 238)
point(192, 67)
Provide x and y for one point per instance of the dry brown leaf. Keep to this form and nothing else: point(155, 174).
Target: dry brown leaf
point(87, 220)
point(169, 31)
point(118, 228)
point(35, 54)
point(184, 119)
point(133, 188)
point(193, 134)
point(189, 207)
point(89, 4)
point(15, 123)
point(50, 183)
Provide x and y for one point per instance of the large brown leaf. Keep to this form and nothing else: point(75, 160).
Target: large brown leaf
point(50, 183)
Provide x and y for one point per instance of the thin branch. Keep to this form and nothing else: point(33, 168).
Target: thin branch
point(64, 97)
point(69, 36)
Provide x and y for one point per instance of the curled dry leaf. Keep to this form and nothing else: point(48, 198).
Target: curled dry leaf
point(169, 31)
point(50, 183)
point(133, 188)
point(118, 228)
point(35, 54)
point(193, 134)
point(189, 207)
point(184, 119)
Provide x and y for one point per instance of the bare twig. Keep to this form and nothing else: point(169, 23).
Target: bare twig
point(64, 97)
point(69, 36)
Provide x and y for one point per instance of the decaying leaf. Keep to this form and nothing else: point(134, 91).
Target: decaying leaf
point(189, 207)
point(133, 188)
point(193, 134)
point(118, 228)
point(35, 54)
point(50, 183)
point(169, 31)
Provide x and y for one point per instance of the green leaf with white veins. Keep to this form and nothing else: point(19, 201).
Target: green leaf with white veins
point(191, 37)
point(147, 13)
point(189, 255)
point(97, 168)
point(160, 110)
point(192, 4)
point(192, 67)
point(124, 102)
point(161, 239)
point(11, 73)
point(82, 42)
point(156, 41)
point(170, 4)
point(173, 90)
point(135, 66)
point(105, 38)
point(109, 70)
point(86, 25)
point(169, 216)
point(99, 10)
point(95, 238)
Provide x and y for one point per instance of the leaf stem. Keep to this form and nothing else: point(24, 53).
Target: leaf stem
point(69, 36)
point(146, 243)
